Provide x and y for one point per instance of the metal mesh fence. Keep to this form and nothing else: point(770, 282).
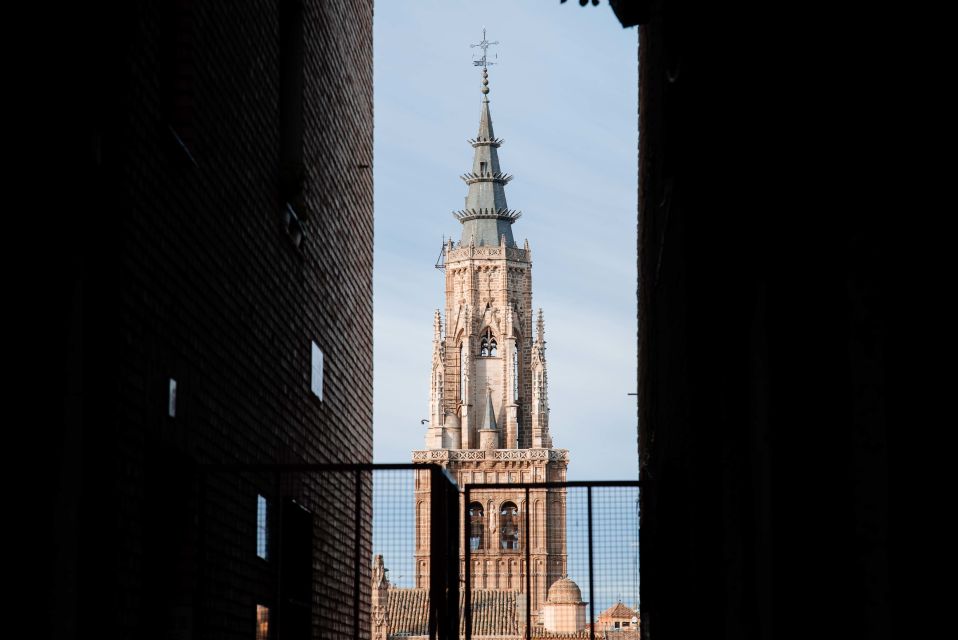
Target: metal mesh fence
point(397, 551)
point(579, 542)
point(395, 525)
point(324, 551)
point(400, 587)
point(615, 574)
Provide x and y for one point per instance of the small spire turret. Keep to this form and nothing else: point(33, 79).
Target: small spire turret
point(490, 421)
point(541, 330)
point(489, 432)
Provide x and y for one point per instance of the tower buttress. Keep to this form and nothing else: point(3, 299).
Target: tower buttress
point(540, 389)
point(442, 433)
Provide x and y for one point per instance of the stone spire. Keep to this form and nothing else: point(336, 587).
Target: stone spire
point(489, 433)
point(486, 218)
point(380, 600)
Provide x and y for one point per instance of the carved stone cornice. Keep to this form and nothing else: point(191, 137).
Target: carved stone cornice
point(465, 252)
point(456, 455)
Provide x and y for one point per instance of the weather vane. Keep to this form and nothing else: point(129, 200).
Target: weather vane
point(484, 45)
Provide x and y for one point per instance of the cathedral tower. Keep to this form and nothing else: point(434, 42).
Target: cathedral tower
point(488, 400)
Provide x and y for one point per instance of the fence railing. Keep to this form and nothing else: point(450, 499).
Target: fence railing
point(303, 551)
point(387, 551)
point(551, 559)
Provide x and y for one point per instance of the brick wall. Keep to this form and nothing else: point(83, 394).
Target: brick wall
point(191, 273)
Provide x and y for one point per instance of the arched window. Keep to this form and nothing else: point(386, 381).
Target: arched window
point(476, 526)
point(487, 344)
point(509, 526)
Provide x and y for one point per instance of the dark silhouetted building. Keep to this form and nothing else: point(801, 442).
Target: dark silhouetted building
point(767, 302)
point(215, 308)
point(199, 280)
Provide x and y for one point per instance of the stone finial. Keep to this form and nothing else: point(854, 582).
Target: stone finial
point(489, 432)
point(437, 326)
point(541, 327)
point(379, 572)
point(490, 421)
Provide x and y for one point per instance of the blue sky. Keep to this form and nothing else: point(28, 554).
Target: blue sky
point(564, 98)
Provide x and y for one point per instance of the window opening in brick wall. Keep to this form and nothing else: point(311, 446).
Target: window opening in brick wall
point(487, 345)
point(316, 381)
point(171, 399)
point(477, 526)
point(509, 526)
point(262, 527)
point(262, 622)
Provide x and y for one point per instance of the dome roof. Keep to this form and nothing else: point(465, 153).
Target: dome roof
point(564, 590)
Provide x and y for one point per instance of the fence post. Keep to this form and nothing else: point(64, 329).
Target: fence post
point(591, 572)
point(528, 573)
point(444, 556)
point(452, 540)
point(357, 569)
point(467, 592)
point(279, 606)
point(202, 598)
point(435, 553)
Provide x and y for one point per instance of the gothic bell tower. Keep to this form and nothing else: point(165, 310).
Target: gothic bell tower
point(488, 400)
point(487, 355)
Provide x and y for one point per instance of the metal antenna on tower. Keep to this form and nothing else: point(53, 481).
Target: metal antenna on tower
point(441, 260)
point(484, 45)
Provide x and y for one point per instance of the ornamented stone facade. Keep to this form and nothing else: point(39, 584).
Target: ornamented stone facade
point(488, 401)
point(489, 423)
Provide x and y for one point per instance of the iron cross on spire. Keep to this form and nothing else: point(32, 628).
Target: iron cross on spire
point(484, 45)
